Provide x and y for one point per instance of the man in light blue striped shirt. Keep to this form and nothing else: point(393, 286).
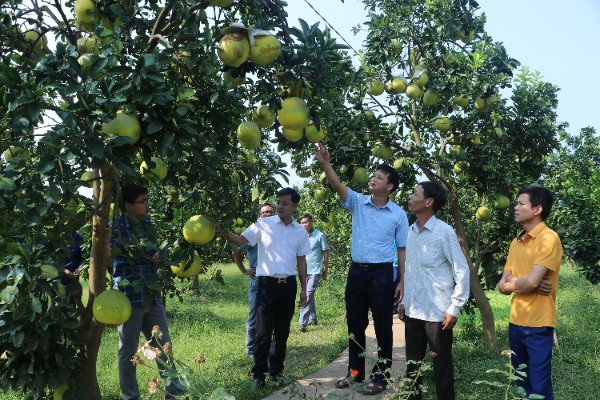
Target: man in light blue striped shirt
point(436, 286)
point(377, 225)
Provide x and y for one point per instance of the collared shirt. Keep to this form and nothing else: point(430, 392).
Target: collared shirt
point(318, 244)
point(542, 247)
point(73, 261)
point(252, 252)
point(134, 245)
point(375, 230)
point(278, 245)
point(436, 278)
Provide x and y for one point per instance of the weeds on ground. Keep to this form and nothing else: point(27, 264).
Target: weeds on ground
point(192, 381)
point(510, 377)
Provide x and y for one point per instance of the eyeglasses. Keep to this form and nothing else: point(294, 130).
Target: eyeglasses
point(267, 212)
point(141, 202)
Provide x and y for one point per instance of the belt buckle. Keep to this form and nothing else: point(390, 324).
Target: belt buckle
point(281, 280)
point(363, 267)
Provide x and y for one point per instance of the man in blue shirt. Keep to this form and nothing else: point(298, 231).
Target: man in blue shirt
point(72, 265)
point(266, 210)
point(317, 264)
point(377, 224)
point(135, 255)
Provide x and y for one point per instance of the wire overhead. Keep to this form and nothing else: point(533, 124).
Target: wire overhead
point(331, 26)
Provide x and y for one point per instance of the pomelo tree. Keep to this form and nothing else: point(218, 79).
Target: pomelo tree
point(483, 130)
point(104, 87)
point(573, 174)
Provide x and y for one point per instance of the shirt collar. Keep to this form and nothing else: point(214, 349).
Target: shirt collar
point(369, 201)
point(534, 232)
point(279, 221)
point(428, 225)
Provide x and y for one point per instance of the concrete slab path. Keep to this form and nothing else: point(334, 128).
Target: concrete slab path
point(322, 383)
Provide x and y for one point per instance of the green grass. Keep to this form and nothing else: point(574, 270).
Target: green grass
point(214, 324)
point(576, 367)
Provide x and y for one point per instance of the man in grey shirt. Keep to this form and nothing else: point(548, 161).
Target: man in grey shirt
point(435, 285)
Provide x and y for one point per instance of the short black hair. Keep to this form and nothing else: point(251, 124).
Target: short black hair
point(306, 216)
point(435, 191)
point(130, 192)
point(539, 196)
point(392, 175)
point(288, 190)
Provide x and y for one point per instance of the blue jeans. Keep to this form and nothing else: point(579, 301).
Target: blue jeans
point(533, 347)
point(251, 322)
point(129, 337)
point(308, 313)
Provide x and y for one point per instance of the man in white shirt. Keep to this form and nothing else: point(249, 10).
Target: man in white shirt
point(436, 286)
point(282, 244)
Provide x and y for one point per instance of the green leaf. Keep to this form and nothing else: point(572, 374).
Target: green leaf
point(96, 147)
point(8, 294)
point(255, 192)
point(46, 164)
point(7, 184)
point(8, 76)
point(126, 169)
point(17, 338)
point(19, 123)
point(36, 305)
point(154, 127)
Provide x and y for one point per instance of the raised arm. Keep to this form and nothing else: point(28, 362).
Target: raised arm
point(322, 156)
point(238, 240)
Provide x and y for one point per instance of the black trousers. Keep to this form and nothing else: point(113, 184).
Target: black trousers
point(275, 302)
point(374, 289)
point(418, 334)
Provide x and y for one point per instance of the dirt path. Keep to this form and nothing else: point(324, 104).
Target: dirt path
point(322, 382)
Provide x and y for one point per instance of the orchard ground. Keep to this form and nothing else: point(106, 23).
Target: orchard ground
point(213, 324)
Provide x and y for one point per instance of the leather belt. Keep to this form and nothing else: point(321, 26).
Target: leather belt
point(272, 279)
point(371, 266)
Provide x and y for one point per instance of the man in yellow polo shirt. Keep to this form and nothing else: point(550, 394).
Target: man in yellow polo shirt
point(531, 275)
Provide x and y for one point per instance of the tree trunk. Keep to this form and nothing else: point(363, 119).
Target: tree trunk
point(196, 286)
point(483, 304)
point(100, 261)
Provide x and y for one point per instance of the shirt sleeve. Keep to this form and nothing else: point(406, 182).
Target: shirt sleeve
point(304, 246)
point(252, 234)
point(460, 271)
point(401, 231)
point(324, 243)
point(509, 258)
point(351, 201)
point(549, 252)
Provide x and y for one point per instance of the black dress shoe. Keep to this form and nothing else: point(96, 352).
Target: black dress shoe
point(278, 379)
point(258, 383)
